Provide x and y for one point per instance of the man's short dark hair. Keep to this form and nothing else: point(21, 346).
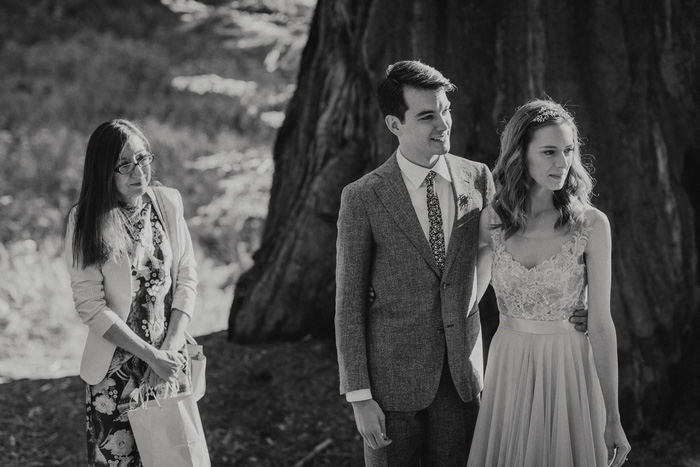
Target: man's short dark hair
point(409, 73)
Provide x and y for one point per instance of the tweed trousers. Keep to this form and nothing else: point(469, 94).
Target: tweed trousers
point(438, 436)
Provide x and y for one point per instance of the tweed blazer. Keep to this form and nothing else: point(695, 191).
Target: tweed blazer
point(396, 346)
point(102, 295)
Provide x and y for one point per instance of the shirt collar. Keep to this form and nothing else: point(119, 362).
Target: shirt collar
point(416, 174)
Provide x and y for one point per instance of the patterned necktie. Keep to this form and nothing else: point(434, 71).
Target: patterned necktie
point(437, 236)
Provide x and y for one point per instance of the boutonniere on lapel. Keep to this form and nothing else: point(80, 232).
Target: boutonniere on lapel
point(462, 201)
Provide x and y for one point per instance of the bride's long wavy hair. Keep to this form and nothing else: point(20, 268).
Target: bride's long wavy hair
point(513, 181)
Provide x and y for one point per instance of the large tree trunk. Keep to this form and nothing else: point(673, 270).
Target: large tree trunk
point(628, 71)
point(324, 144)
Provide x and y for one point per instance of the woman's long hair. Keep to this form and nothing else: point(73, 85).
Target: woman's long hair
point(513, 182)
point(99, 233)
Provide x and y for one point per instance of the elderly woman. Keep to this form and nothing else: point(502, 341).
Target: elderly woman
point(132, 270)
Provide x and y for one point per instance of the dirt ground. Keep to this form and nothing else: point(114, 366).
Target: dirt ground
point(266, 405)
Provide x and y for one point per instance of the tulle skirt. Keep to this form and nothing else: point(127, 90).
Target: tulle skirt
point(542, 404)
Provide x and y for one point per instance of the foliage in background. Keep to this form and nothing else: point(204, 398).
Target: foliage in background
point(208, 82)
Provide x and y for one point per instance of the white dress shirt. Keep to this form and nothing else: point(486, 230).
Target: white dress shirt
point(414, 178)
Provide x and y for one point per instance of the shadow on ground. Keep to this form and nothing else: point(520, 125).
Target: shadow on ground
point(267, 405)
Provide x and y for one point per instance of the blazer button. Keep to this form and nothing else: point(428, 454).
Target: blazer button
point(444, 286)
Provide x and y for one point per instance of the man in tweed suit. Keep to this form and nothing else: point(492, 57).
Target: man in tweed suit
point(410, 359)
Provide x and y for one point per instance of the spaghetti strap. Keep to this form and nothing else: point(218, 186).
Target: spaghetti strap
point(582, 235)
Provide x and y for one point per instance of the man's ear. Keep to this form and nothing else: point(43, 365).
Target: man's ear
point(394, 124)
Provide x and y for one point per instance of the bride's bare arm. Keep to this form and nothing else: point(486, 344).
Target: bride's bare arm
point(601, 331)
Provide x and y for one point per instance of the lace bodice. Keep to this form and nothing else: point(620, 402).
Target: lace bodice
point(550, 291)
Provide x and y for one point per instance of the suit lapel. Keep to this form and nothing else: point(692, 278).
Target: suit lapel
point(461, 187)
point(394, 196)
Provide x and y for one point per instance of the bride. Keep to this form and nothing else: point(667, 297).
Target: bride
point(550, 393)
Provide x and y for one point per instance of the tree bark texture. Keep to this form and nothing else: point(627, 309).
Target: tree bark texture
point(324, 144)
point(627, 70)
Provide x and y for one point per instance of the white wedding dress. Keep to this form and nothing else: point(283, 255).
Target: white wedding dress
point(542, 404)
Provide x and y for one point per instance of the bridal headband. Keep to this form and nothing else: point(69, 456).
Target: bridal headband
point(547, 113)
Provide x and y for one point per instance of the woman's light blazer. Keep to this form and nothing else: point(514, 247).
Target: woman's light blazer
point(102, 295)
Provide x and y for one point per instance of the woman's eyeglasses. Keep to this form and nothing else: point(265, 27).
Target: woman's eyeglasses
point(143, 160)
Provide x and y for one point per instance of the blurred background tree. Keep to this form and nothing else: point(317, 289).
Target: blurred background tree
point(627, 70)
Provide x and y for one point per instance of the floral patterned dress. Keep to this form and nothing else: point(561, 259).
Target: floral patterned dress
point(110, 439)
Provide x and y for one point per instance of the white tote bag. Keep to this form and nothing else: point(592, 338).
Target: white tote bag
point(168, 432)
point(198, 366)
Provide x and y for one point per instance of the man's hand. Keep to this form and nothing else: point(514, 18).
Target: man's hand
point(580, 319)
point(370, 422)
